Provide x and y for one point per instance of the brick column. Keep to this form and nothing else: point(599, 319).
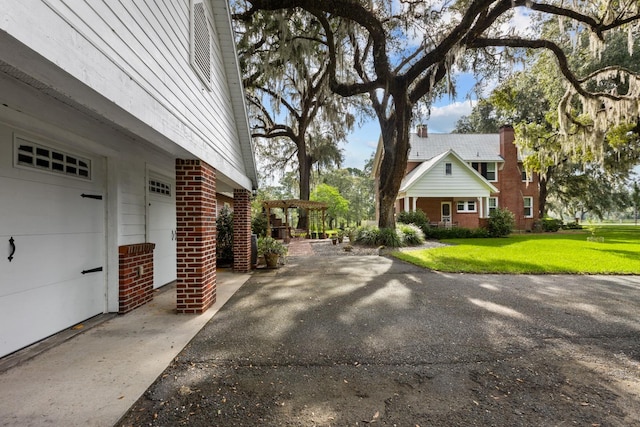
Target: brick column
point(136, 275)
point(196, 235)
point(241, 230)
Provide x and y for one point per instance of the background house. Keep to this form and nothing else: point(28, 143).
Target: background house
point(458, 179)
point(120, 125)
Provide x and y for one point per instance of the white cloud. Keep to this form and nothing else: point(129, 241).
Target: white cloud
point(443, 119)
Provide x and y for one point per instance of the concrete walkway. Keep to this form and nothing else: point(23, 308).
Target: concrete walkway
point(93, 378)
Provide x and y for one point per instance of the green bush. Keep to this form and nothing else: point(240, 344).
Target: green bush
point(410, 234)
point(388, 237)
point(224, 228)
point(551, 224)
point(418, 218)
point(501, 223)
point(367, 236)
point(572, 226)
point(259, 224)
point(456, 233)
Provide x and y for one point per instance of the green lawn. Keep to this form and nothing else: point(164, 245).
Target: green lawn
point(562, 252)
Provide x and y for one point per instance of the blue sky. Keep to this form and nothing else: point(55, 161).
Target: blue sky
point(445, 113)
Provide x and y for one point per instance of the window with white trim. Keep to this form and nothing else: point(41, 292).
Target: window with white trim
point(526, 177)
point(38, 156)
point(492, 205)
point(447, 169)
point(528, 207)
point(486, 169)
point(200, 41)
point(466, 206)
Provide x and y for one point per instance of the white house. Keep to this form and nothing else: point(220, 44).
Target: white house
point(120, 124)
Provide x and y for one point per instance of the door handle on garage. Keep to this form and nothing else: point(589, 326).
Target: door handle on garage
point(13, 248)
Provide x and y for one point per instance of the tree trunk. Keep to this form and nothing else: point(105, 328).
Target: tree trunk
point(544, 191)
point(304, 175)
point(395, 139)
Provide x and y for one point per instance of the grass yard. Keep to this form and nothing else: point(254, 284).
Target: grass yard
point(561, 252)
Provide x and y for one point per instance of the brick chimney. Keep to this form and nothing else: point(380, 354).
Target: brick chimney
point(508, 149)
point(421, 130)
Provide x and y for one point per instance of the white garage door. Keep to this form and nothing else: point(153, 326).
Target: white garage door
point(161, 223)
point(52, 235)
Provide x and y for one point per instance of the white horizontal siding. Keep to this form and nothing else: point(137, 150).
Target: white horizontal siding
point(136, 54)
point(461, 182)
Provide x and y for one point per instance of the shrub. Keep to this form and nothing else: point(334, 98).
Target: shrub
point(224, 228)
point(259, 224)
point(572, 226)
point(269, 245)
point(456, 233)
point(367, 236)
point(388, 237)
point(501, 222)
point(418, 218)
point(551, 224)
point(410, 234)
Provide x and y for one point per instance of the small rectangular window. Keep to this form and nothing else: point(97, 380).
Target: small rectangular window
point(526, 177)
point(492, 205)
point(447, 168)
point(528, 207)
point(38, 156)
point(490, 173)
point(159, 187)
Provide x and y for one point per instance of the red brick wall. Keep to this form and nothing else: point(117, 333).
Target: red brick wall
point(136, 275)
point(241, 230)
point(221, 199)
point(196, 235)
point(512, 188)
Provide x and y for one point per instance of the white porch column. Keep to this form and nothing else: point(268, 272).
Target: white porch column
point(415, 204)
point(406, 204)
point(481, 202)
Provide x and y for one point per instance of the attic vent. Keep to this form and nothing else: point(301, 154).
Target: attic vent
point(38, 156)
point(201, 42)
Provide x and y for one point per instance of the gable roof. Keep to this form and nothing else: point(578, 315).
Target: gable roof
point(424, 182)
point(470, 147)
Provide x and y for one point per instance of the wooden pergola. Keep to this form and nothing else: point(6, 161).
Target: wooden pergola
point(285, 205)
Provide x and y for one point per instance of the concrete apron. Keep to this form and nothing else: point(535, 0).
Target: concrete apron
point(95, 377)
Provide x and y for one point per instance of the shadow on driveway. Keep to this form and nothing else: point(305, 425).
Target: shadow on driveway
point(346, 341)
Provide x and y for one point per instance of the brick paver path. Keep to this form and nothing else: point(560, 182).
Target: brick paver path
point(300, 247)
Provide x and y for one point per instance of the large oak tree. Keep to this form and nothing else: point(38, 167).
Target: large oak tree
point(402, 52)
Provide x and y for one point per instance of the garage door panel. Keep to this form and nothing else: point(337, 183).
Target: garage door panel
point(43, 209)
point(40, 260)
point(57, 235)
point(38, 313)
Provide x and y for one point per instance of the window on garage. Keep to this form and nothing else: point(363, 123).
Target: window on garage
point(39, 156)
point(159, 187)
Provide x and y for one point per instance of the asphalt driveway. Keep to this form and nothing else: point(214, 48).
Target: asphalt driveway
point(368, 340)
